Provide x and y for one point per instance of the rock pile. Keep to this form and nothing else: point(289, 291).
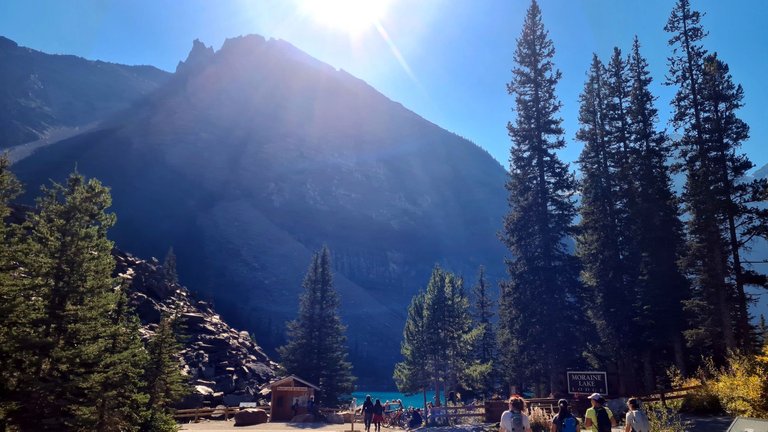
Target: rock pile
point(225, 366)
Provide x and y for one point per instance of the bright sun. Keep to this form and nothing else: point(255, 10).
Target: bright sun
point(352, 16)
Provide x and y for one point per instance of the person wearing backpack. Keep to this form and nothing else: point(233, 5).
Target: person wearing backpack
point(599, 418)
point(636, 420)
point(564, 421)
point(514, 420)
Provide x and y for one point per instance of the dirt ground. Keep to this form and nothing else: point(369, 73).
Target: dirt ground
point(696, 424)
point(221, 425)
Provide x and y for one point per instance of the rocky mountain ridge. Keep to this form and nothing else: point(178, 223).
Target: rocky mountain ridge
point(40, 92)
point(224, 365)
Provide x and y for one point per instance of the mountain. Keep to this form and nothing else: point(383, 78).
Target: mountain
point(250, 158)
point(41, 93)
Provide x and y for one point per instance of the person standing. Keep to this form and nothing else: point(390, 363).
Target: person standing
point(636, 420)
point(564, 421)
point(599, 418)
point(378, 415)
point(514, 420)
point(367, 412)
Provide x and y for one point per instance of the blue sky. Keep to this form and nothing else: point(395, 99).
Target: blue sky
point(458, 52)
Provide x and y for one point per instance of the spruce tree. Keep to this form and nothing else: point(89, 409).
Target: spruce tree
point(710, 306)
point(68, 265)
point(316, 349)
point(603, 211)
point(661, 287)
point(412, 374)
point(164, 381)
point(169, 267)
point(539, 222)
point(444, 346)
point(13, 308)
point(118, 378)
point(719, 211)
point(724, 132)
point(485, 350)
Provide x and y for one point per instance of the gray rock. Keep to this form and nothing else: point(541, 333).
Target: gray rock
point(250, 416)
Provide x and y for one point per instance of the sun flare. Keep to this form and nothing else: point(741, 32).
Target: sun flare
point(353, 16)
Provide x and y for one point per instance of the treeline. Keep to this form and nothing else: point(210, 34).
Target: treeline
point(654, 280)
point(71, 355)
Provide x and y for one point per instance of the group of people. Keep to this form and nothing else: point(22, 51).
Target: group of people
point(373, 413)
point(598, 418)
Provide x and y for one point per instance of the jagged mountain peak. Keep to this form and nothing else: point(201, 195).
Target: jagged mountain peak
point(199, 55)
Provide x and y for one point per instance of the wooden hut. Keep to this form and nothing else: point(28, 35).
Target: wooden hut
point(289, 391)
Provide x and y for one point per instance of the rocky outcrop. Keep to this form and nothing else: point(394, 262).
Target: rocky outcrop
point(224, 365)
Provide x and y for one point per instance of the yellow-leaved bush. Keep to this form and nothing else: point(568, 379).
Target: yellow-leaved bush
point(740, 388)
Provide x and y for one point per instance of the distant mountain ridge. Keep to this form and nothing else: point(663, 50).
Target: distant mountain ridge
point(41, 92)
point(251, 157)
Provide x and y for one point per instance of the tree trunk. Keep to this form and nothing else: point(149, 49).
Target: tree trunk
point(649, 379)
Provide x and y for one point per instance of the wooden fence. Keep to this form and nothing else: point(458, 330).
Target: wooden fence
point(665, 395)
point(197, 413)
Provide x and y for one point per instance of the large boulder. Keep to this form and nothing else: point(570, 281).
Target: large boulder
point(251, 416)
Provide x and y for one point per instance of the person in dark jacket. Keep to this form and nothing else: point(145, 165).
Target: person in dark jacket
point(367, 412)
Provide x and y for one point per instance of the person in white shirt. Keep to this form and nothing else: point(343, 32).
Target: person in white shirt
point(514, 420)
point(636, 420)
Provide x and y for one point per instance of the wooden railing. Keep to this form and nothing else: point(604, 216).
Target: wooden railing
point(670, 394)
point(459, 411)
point(197, 413)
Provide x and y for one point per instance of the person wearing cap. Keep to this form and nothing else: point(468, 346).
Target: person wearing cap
point(592, 414)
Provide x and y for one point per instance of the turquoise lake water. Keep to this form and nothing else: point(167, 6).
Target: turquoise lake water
point(416, 401)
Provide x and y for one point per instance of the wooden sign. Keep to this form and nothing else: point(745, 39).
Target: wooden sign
point(587, 382)
point(293, 389)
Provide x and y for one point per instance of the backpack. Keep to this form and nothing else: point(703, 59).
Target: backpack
point(568, 424)
point(640, 422)
point(603, 421)
point(517, 422)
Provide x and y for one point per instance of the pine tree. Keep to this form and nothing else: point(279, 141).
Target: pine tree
point(118, 378)
point(412, 374)
point(724, 132)
point(538, 224)
point(169, 267)
point(316, 348)
point(603, 216)
point(438, 338)
point(165, 383)
point(12, 305)
point(719, 211)
point(485, 350)
point(661, 287)
point(67, 265)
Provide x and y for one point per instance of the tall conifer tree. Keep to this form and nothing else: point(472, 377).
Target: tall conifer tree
point(68, 265)
point(661, 287)
point(485, 350)
point(316, 348)
point(538, 224)
point(720, 209)
point(165, 383)
point(603, 216)
point(13, 307)
point(413, 373)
